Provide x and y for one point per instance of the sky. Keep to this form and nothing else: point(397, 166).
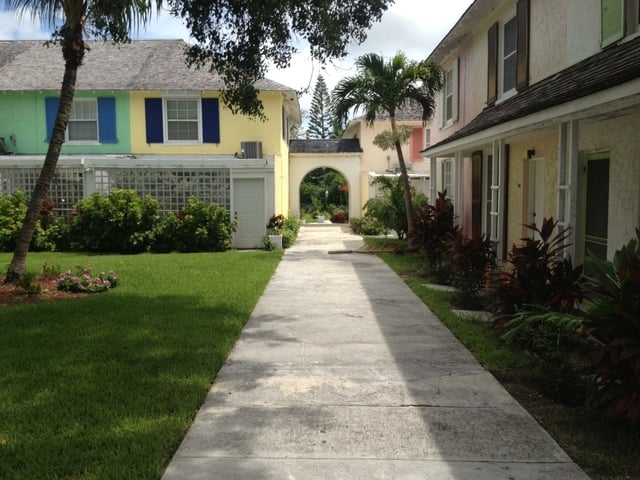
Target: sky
point(412, 26)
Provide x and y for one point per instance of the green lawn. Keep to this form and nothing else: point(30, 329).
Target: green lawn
point(106, 385)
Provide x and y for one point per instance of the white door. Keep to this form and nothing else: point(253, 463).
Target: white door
point(536, 191)
point(249, 212)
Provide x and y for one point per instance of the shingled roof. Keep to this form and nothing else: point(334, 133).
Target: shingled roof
point(606, 69)
point(341, 145)
point(138, 65)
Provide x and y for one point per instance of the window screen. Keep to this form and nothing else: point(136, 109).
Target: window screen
point(182, 120)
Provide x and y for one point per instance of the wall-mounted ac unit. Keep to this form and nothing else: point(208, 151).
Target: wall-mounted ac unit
point(251, 149)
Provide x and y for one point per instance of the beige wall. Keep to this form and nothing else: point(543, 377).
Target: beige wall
point(546, 148)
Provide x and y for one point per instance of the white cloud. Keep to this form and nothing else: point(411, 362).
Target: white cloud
point(23, 27)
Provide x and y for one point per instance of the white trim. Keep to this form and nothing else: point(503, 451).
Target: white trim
point(67, 140)
point(502, 94)
point(447, 120)
point(165, 120)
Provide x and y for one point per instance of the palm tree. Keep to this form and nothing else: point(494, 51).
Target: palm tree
point(104, 19)
point(386, 87)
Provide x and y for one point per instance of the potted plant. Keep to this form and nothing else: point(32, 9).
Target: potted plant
point(274, 230)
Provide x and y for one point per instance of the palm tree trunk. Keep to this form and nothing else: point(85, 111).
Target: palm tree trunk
point(19, 261)
point(408, 202)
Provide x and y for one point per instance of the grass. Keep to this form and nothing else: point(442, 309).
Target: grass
point(106, 385)
point(603, 450)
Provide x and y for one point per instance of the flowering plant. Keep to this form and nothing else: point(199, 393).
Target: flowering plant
point(85, 282)
point(276, 222)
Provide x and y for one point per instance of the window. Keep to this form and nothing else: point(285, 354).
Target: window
point(417, 144)
point(91, 120)
point(619, 18)
point(509, 51)
point(182, 120)
point(83, 121)
point(447, 177)
point(450, 96)
point(508, 55)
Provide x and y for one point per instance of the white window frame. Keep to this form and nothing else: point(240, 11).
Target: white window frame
point(502, 94)
point(450, 90)
point(166, 120)
point(447, 177)
point(67, 138)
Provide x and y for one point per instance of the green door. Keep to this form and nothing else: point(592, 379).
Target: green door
point(597, 205)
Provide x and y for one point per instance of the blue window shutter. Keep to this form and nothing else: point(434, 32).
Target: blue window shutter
point(153, 120)
point(51, 110)
point(107, 120)
point(210, 120)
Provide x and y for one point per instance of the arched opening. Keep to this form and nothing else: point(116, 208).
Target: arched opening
point(324, 196)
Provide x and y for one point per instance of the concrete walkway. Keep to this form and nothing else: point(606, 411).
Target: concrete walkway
point(343, 373)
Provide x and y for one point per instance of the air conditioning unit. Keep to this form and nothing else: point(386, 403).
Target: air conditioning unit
point(251, 149)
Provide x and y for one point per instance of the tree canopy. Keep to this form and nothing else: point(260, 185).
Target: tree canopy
point(238, 39)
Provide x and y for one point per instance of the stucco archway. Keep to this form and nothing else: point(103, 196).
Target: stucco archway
point(348, 166)
point(342, 155)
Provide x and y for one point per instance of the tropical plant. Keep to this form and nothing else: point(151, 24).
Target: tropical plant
point(540, 273)
point(235, 40)
point(613, 322)
point(435, 229)
point(389, 208)
point(386, 87)
point(470, 258)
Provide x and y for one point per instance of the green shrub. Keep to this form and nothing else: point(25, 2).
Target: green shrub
point(198, 227)
point(13, 209)
point(292, 224)
point(366, 226)
point(389, 209)
point(290, 229)
point(121, 222)
point(50, 230)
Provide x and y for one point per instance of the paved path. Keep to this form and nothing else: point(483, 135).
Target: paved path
point(343, 373)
